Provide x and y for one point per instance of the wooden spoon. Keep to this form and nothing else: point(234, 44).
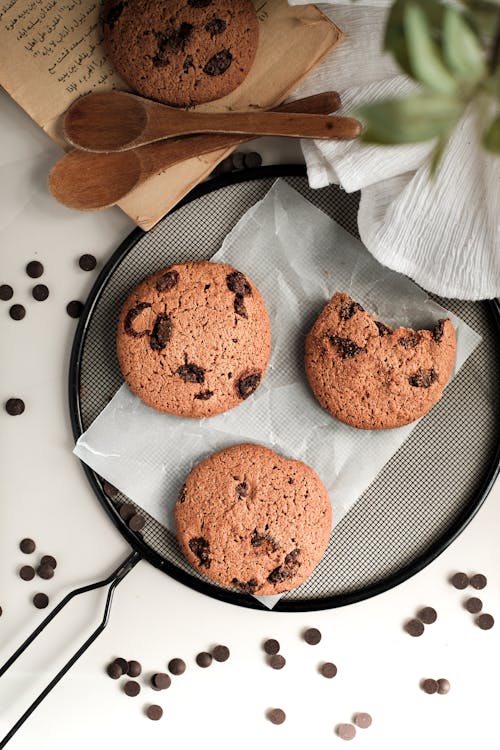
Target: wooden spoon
point(89, 181)
point(116, 121)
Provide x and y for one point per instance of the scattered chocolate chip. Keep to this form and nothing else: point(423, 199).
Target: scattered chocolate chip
point(40, 601)
point(34, 269)
point(485, 621)
point(167, 281)
point(438, 330)
point(346, 731)
point(277, 661)
point(220, 653)
point(276, 716)
point(280, 574)
point(40, 292)
point(328, 669)
point(460, 580)
point(130, 318)
point(224, 167)
point(14, 406)
point(429, 686)
point(219, 63)
point(174, 41)
point(154, 712)
point(122, 663)
point(131, 688)
point(74, 308)
point(414, 628)
point(188, 64)
point(134, 668)
point(238, 160)
point(114, 14)
point(345, 347)
point(204, 659)
point(6, 292)
point(27, 546)
point(201, 548)
point(292, 556)
point(203, 395)
point(238, 284)
point(423, 378)
point(478, 581)
point(127, 511)
point(177, 666)
point(136, 523)
point(199, 3)
point(17, 312)
point(348, 309)
point(161, 681)
point(87, 262)
point(252, 160)
point(191, 373)
point(248, 587)
point(383, 330)
point(45, 571)
point(271, 646)
point(363, 720)
point(242, 490)
point(114, 670)
point(27, 573)
point(248, 384)
point(312, 636)
point(428, 615)
point(410, 341)
point(443, 686)
point(239, 306)
point(215, 26)
point(109, 489)
point(161, 333)
point(473, 605)
point(257, 540)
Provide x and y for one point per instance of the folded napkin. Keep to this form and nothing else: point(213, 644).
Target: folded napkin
point(444, 232)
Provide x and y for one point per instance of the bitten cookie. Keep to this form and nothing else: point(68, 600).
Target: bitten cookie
point(251, 519)
point(181, 52)
point(194, 339)
point(370, 376)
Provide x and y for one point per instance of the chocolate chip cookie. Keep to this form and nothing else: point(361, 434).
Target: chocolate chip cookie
point(194, 339)
point(251, 519)
point(181, 52)
point(373, 377)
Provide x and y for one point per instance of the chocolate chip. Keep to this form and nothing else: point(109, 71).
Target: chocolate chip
point(74, 308)
point(220, 653)
point(45, 571)
point(201, 548)
point(161, 333)
point(177, 666)
point(27, 546)
point(203, 395)
point(127, 510)
point(204, 659)
point(130, 318)
point(238, 160)
point(161, 681)
point(131, 688)
point(473, 605)
point(6, 292)
point(248, 587)
point(17, 312)
point(154, 712)
point(414, 628)
point(277, 661)
point(40, 601)
point(113, 15)
point(114, 670)
point(460, 580)
point(199, 3)
point(238, 284)
point(292, 556)
point(257, 540)
point(219, 63)
point(122, 663)
point(191, 373)
point(49, 560)
point(14, 406)
point(363, 720)
point(478, 581)
point(271, 646)
point(109, 489)
point(423, 378)
point(239, 306)
point(312, 636)
point(443, 686)
point(174, 41)
point(328, 669)
point(134, 668)
point(182, 494)
point(348, 309)
point(188, 63)
point(485, 621)
point(248, 384)
point(410, 341)
point(438, 330)
point(346, 731)
point(252, 160)
point(34, 269)
point(429, 686)
point(136, 523)
point(241, 490)
point(224, 167)
point(167, 281)
point(87, 262)
point(383, 330)
point(27, 573)
point(276, 716)
point(345, 347)
point(428, 615)
point(215, 26)
point(280, 574)
point(40, 292)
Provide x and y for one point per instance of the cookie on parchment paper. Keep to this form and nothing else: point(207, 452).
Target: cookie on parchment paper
point(251, 519)
point(181, 52)
point(370, 376)
point(194, 339)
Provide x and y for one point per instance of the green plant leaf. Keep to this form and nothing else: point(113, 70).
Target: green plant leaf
point(491, 138)
point(418, 117)
point(424, 54)
point(462, 49)
point(395, 40)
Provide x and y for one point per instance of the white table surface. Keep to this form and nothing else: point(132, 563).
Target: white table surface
point(44, 495)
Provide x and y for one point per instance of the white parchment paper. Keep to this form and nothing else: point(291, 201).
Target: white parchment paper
point(298, 257)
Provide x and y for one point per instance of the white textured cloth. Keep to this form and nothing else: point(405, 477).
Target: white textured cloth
point(444, 232)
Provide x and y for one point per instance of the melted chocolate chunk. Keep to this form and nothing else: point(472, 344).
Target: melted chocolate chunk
point(292, 556)
point(348, 309)
point(248, 587)
point(247, 385)
point(203, 395)
point(237, 283)
point(114, 14)
point(242, 490)
point(346, 347)
point(239, 305)
point(257, 540)
point(191, 373)
point(167, 281)
point(215, 26)
point(199, 3)
point(131, 316)
point(173, 41)
point(188, 63)
point(383, 330)
point(281, 573)
point(423, 378)
point(201, 548)
point(219, 63)
point(438, 330)
point(162, 331)
point(410, 341)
